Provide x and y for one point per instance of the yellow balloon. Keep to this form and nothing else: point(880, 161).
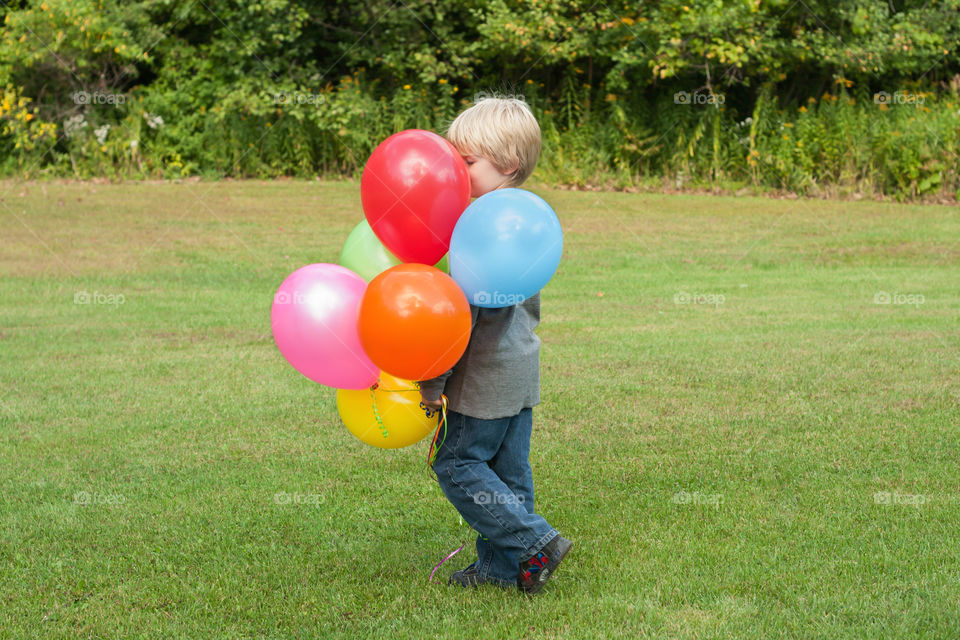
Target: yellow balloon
point(397, 403)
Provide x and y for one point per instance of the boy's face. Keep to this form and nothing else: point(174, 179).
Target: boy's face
point(484, 176)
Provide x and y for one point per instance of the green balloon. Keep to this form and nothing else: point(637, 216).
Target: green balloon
point(365, 255)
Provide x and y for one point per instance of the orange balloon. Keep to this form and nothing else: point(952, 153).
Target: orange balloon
point(414, 321)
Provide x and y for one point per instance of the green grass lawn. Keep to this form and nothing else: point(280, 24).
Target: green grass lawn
point(741, 438)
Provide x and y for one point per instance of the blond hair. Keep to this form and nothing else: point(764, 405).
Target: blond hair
point(502, 130)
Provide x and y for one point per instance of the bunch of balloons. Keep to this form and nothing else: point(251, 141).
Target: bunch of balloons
point(389, 314)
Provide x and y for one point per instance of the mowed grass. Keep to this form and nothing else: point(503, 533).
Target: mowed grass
point(741, 438)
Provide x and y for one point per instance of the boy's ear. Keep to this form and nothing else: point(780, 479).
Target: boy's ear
point(512, 169)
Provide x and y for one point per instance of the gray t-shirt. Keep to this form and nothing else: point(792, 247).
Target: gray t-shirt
point(499, 373)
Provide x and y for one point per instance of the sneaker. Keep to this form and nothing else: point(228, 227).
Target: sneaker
point(468, 577)
point(535, 572)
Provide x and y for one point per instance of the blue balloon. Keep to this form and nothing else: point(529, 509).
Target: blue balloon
point(505, 248)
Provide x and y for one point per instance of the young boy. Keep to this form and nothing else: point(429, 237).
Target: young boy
point(483, 466)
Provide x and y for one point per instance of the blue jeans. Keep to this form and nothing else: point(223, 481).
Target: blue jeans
point(483, 468)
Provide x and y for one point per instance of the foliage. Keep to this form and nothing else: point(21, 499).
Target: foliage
point(290, 87)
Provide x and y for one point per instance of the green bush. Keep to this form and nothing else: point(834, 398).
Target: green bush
point(778, 96)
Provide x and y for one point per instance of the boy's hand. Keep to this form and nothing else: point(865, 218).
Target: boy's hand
point(430, 405)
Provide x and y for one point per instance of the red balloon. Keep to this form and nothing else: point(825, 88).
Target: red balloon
point(414, 321)
point(414, 188)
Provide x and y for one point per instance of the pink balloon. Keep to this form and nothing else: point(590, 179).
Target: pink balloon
point(314, 321)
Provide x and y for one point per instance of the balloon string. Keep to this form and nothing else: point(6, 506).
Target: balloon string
point(376, 387)
point(431, 458)
point(376, 414)
point(432, 453)
point(437, 566)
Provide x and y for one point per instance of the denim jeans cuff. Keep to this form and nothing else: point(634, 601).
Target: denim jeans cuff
point(540, 544)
